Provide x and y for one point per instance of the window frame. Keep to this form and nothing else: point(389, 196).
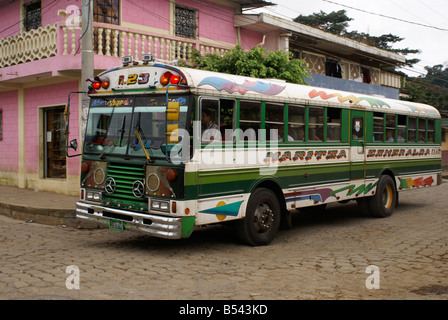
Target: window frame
point(177, 32)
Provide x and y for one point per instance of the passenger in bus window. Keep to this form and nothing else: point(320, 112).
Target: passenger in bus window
point(390, 136)
point(316, 134)
point(209, 127)
point(281, 133)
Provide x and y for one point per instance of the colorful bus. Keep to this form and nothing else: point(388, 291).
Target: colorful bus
point(168, 150)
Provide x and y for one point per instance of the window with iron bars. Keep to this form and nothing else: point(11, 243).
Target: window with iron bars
point(105, 11)
point(33, 16)
point(185, 27)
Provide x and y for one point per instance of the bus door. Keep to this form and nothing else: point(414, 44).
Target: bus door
point(357, 144)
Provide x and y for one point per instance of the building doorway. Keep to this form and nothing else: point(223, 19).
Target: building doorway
point(55, 162)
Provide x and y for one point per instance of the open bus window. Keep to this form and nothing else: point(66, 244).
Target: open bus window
point(226, 119)
point(210, 120)
point(378, 127)
point(316, 124)
point(250, 123)
point(412, 130)
point(275, 121)
point(431, 130)
point(296, 122)
point(401, 128)
point(390, 127)
point(421, 130)
point(333, 124)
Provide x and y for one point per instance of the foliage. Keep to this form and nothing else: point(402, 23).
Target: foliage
point(257, 63)
point(431, 89)
point(336, 23)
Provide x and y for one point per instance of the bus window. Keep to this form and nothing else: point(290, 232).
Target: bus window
point(296, 122)
point(316, 124)
point(390, 127)
point(226, 118)
point(274, 121)
point(421, 130)
point(431, 130)
point(250, 123)
point(412, 131)
point(210, 120)
point(357, 128)
point(378, 127)
point(333, 124)
point(401, 128)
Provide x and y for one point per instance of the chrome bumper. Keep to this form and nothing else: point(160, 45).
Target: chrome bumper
point(157, 226)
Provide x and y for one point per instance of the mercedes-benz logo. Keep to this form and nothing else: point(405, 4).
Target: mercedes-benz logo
point(111, 185)
point(138, 189)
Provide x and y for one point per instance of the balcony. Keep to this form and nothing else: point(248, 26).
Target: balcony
point(25, 56)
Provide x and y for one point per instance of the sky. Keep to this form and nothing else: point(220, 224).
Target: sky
point(426, 28)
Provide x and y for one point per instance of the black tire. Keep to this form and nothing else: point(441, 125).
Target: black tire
point(262, 221)
point(383, 203)
point(364, 206)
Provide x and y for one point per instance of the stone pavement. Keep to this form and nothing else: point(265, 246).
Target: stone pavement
point(328, 255)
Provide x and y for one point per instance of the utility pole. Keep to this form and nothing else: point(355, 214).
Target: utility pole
point(87, 68)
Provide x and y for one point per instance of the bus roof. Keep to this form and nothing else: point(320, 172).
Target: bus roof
point(219, 84)
point(214, 83)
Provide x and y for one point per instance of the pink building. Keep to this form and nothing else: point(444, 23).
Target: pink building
point(40, 63)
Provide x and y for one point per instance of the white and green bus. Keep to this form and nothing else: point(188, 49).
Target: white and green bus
point(169, 149)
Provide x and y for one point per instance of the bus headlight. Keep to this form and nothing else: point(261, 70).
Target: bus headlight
point(93, 196)
point(160, 205)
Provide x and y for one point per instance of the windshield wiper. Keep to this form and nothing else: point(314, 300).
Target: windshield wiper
point(122, 130)
point(106, 147)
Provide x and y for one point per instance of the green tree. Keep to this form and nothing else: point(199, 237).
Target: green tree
point(335, 22)
point(257, 63)
point(431, 89)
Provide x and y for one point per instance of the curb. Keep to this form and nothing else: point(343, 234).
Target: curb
point(53, 217)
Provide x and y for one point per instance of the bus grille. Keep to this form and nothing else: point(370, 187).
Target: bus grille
point(124, 177)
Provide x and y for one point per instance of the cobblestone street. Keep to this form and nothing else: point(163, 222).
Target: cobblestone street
point(323, 256)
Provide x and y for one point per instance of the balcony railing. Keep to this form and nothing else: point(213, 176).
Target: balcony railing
point(114, 41)
point(33, 45)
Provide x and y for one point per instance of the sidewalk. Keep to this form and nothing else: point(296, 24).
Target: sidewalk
point(52, 208)
point(38, 206)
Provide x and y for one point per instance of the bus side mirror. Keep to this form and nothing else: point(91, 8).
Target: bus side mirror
point(172, 112)
point(74, 144)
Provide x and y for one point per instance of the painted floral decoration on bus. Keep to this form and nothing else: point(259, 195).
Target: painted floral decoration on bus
point(231, 87)
point(351, 98)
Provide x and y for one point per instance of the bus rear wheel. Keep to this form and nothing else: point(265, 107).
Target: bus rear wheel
point(382, 204)
point(262, 220)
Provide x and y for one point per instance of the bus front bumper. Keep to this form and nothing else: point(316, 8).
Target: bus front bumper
point(155, 225)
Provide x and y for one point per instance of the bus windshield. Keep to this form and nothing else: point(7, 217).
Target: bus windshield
point(124, 125)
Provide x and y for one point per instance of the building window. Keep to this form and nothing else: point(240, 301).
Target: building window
point(107, 11)
point(33, 16)
point(333, 69)
point(185, 22)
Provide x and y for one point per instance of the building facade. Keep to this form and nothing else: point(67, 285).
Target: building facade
point(40, 63)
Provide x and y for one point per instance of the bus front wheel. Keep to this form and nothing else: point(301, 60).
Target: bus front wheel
point(382, 204)
point(262, 220)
